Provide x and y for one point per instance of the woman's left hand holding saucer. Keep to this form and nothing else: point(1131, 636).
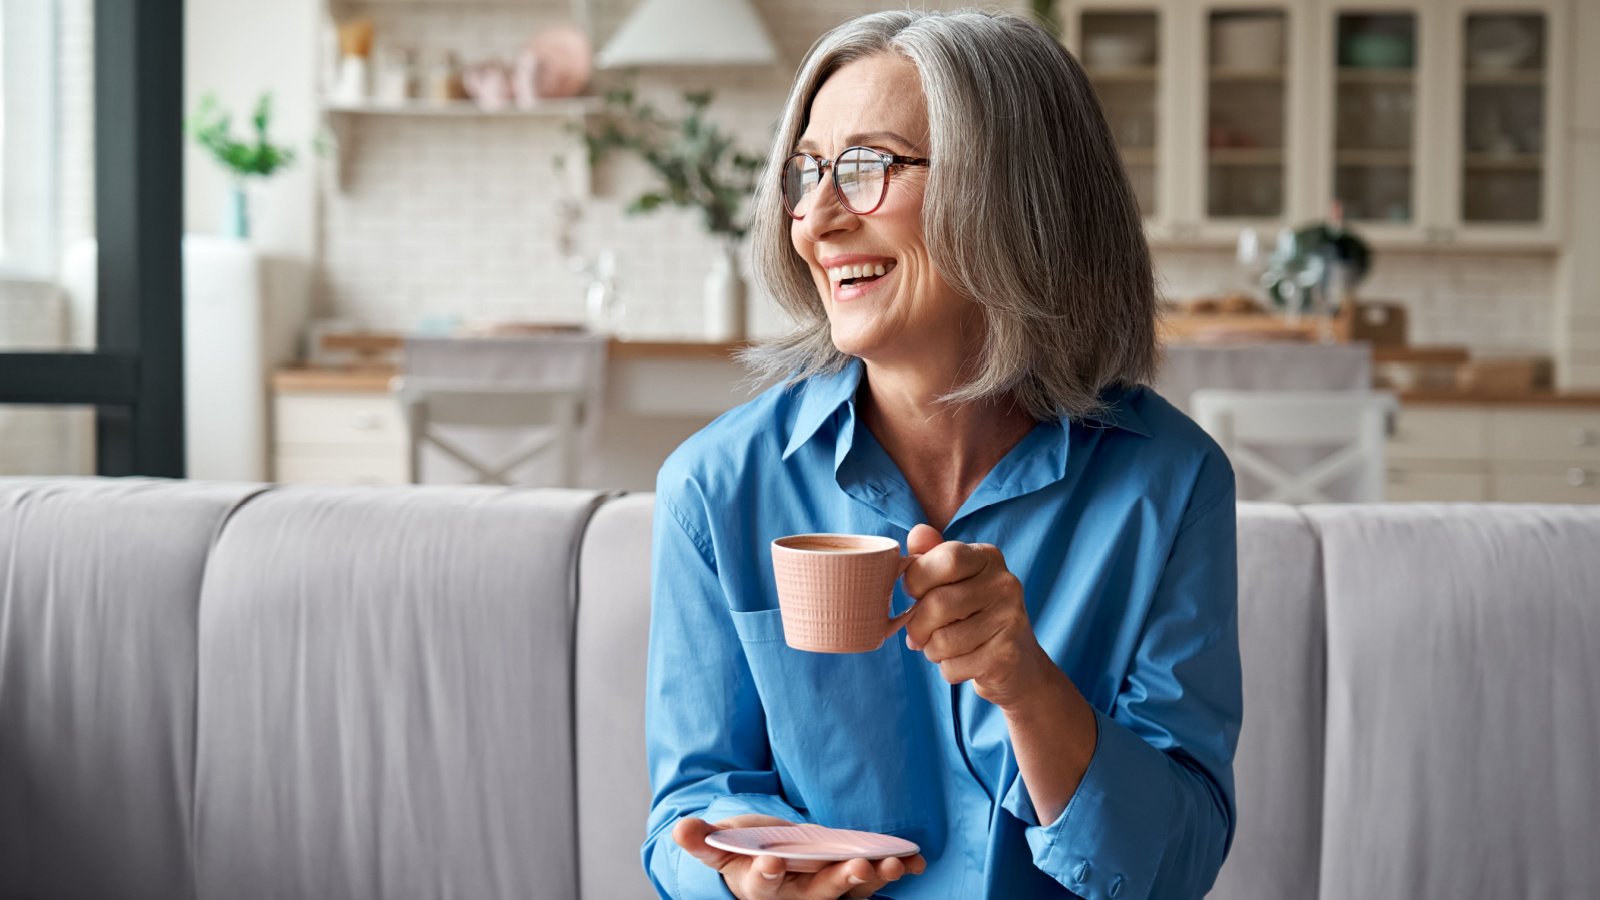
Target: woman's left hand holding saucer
point(970, 619)
point(767, 878)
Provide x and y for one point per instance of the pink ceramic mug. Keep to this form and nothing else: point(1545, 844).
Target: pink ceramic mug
point(834, 590)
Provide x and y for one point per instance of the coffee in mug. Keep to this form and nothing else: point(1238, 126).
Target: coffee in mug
point(834, 590)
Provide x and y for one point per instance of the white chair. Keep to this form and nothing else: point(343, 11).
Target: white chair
point(1298, 444)
point(550, 416)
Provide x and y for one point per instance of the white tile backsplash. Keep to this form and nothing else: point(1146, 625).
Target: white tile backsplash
point(1492, 302)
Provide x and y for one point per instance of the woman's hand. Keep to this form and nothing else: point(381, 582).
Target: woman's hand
point(764, 878)
point(970, 618)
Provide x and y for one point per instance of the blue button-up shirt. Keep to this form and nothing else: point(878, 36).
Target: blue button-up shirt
point(1121, 530)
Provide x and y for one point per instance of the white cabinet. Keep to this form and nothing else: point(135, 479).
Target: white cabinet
point(1503, 125)
point(330, 437)
point(1433, 122)
point(1506, 453)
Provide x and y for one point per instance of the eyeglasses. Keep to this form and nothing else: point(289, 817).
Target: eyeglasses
point(860, 179)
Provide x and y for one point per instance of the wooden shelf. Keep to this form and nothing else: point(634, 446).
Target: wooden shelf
point(575, 106)
point(1521, 162)
point(1376, 159)
point(1514, 78)
point(1221, 75)
point(1360, 75)
point(1245, 156)
point(1127, 75)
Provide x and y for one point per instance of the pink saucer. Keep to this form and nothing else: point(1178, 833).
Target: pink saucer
point(809, 848)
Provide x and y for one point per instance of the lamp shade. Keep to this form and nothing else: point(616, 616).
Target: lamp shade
point(689, 33)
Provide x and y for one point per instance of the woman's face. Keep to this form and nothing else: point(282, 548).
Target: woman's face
point(877, 102)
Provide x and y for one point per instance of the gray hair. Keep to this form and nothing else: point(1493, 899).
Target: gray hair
point(1028, 213)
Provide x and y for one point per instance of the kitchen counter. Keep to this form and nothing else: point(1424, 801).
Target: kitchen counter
point(1580, 399)
point(339, 423)
point(335, 379)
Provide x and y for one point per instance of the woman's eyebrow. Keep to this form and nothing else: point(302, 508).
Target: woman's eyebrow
point(864, 138)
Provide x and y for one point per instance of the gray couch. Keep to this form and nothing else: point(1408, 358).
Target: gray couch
point(240, 691)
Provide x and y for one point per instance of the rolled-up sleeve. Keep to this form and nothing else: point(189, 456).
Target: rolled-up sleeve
point(1154, 813)
point(705, 729)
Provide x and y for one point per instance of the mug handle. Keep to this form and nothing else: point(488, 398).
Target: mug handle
point(898, 622)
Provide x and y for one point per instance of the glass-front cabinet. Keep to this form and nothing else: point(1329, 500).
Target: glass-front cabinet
point(1427, 122)
point(1247, 106)
point(1503, 119)
point(1373, 57)
point(1122, 46)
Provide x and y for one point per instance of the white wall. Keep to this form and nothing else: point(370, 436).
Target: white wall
point(1577, 331)
point(240, 50)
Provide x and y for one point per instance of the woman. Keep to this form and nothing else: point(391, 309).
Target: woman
point(948, 222)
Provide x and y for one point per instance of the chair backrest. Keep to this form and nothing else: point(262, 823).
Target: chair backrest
point(433, 406)
point(1298, 444)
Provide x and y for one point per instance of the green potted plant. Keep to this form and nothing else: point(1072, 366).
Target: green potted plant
point(697, 165)
point(212, 128)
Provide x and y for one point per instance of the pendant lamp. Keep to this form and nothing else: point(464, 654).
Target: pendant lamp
point(689, 33)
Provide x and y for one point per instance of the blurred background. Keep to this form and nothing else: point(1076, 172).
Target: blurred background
point(1400, 197)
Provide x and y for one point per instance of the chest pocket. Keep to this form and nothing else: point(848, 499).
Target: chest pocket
point(850, 733)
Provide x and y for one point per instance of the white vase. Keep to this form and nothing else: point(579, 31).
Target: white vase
point(236, 216)
point(725, 296)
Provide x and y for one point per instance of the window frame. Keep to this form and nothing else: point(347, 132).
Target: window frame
point(134, 376)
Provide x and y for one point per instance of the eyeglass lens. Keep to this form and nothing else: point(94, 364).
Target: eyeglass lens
point(859, 173)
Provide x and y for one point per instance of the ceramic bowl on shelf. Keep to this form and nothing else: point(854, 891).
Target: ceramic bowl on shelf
point(1112, 50)
point(563, 61)
point(1500, 45)
point(1375, 50)
point(1248, 43)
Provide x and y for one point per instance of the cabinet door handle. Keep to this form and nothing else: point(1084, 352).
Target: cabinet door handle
point(1577, 477)
point(1583, 437)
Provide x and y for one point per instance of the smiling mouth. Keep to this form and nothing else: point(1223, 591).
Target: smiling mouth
point(866, 273)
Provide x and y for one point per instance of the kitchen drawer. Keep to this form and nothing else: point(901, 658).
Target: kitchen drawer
point(327, 418)
point(1545, 434)
point(1556, 482)
point(293, 469)
point(1456, 432)
point(1425, 485)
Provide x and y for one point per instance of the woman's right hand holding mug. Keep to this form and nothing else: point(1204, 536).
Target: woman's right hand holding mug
point(765, 877)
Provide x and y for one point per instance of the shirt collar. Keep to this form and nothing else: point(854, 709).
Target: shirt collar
point(824, 394)
point(821, 397)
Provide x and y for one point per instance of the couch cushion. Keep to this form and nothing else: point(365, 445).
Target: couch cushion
point(385, 696)
point(1463, 701)
point(613, 639)
point(1278, 767)
point(99, 590)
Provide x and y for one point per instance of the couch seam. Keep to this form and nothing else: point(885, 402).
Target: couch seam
point(194, 724)
point(573, 573)
point(1314, 526)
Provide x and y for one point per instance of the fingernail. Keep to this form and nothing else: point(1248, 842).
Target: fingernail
point(770, 876)
point(854, 880)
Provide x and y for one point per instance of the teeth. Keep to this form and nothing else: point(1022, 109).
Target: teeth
point(842, 273)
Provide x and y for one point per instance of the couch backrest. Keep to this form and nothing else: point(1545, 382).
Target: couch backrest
point(99, 588)
point(385, 695)
point(1278, 767)
point(232, 691)
point(612, 640)
point(1463, 709)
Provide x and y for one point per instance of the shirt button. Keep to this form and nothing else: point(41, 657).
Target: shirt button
point(1116, 886)
point(1081, 872)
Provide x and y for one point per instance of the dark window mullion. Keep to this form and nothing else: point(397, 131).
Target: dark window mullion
point(139, 218)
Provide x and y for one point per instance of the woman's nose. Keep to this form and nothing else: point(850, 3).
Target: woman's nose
point(826, 216)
